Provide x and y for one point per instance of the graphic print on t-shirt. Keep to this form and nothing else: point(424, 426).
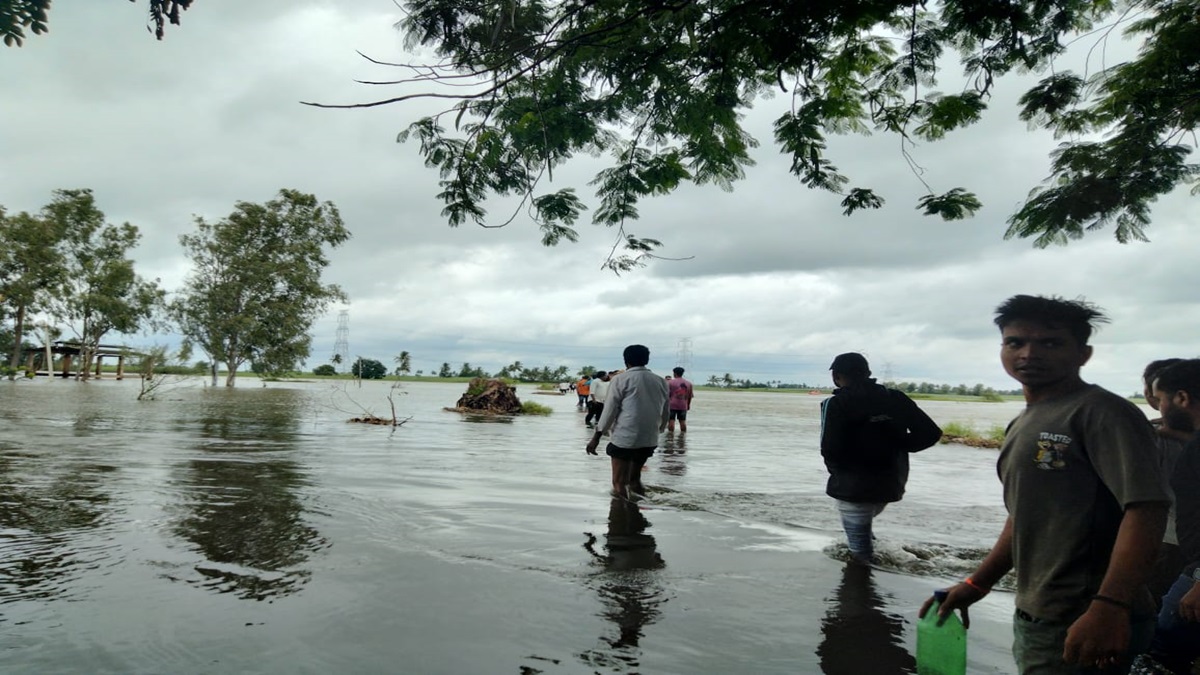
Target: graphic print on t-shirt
point(1052, 451)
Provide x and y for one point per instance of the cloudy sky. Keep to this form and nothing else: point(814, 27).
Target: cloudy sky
point(777, 281)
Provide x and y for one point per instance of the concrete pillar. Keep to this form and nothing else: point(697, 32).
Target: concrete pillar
point(99, 358)
point(66, 365)
point(121, 367)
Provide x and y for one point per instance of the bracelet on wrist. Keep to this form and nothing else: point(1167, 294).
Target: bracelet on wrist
point(971, 582)
point(1112, 601)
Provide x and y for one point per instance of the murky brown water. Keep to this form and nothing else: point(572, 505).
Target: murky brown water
point(253, 530)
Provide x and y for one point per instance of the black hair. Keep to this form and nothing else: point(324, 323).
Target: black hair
point(678, 371)
point(1079, 317)
point(600, 374)
point(636, 355)
point(1155, 367)
point(1181, 376)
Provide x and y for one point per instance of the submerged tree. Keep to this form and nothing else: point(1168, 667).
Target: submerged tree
point(100, 292)
point(31, 267)
point(661, 88)
point(368, 369)
point(256, 287)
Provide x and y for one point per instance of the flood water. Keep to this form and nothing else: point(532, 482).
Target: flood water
point(254, 530)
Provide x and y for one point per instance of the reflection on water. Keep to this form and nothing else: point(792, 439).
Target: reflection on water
point(240, 498)
point(630, 591)
point(41, 511)
point(133, 533)
point(671, 455)
point(857, 635)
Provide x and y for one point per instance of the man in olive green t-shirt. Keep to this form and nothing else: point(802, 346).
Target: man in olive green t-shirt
point(1086, 502)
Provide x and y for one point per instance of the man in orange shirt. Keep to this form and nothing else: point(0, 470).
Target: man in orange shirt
point(583, 389)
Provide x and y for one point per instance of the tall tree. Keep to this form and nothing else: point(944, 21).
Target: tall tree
point(403, 363)
point(256, 286)
point(31, 266)
point(661, 87)
point(100, 292)
point(17, 15)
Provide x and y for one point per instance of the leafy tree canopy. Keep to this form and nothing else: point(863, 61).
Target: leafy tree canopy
point(31, 268)
point(368, 369)
point(256, 287)
point(18, 15)
point(98, 292)
point(661, 88)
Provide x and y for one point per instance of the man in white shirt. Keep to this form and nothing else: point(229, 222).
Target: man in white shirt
point(599, 387)
point(636, 412)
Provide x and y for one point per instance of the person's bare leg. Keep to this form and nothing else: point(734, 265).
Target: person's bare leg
point(671, 425)
point(618, 477)
point(683, 426)
point(635, 476)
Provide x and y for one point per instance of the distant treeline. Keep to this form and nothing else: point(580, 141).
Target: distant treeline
point(729, 382)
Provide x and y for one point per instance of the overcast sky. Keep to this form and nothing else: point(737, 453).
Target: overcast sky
point(778, 281)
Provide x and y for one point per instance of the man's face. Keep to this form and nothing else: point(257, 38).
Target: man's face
point(1038, 355)
point(1174, 408)
point(1150, 396)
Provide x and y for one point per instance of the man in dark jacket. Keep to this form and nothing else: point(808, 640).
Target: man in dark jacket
point(867, 431)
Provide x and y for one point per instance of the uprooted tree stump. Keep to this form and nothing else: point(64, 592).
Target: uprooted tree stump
point(489, 396)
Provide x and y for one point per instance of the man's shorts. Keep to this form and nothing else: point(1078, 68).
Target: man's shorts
point(629, 454)
point(1038, 645)
point(680, 415)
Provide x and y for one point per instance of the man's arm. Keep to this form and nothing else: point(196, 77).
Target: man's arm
point(833, 434)
point(612, 408)
point(923, 432)
point(964, 594)
point(665, 414)
point(1103, 630)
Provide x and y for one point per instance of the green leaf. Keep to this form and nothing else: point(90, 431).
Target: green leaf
point(956, 204)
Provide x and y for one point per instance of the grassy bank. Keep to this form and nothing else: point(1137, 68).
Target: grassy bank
point(965, 434)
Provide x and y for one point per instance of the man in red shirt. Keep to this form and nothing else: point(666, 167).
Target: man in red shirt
point(680, 400)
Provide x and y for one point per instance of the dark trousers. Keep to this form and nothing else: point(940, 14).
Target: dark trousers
point(593, 413)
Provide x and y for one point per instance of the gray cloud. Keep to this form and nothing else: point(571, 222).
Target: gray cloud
point(778, 280)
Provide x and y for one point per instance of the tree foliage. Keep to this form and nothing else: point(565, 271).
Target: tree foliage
point(403, 363)
point(31, 267)
point(18, 15)
point(256, 287)
point(660, 88)
point(99, 290)
point(368, 369)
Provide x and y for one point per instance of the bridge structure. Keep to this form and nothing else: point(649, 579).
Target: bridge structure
point(69, 352)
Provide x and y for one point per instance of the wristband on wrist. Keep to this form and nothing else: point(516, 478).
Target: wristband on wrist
point(971, 582)
point(1113, 601)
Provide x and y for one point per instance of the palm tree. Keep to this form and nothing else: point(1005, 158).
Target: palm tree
point(403, 363)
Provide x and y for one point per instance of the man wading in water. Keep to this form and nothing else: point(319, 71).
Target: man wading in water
point(1086, 502)
point(867, 432)
point(636, 413)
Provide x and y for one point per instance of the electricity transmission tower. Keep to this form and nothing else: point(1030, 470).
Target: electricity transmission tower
point(683, 353)
point(341, 348)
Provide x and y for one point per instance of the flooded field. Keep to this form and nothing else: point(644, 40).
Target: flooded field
point(254, 530)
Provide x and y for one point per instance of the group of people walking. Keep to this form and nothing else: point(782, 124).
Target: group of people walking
point(633, 409)
point(1089, 484)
